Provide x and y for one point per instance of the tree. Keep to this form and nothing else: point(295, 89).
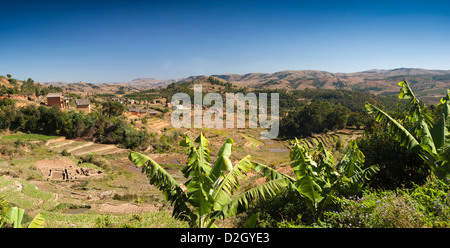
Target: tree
point(399, 168)
point(209, 189)
point(51, 120)
point(319, 181)
point(431, 141)
point(314, 118)
point(111, 108)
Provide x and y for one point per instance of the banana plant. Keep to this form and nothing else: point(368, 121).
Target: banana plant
point(210, 187)
point(431, 141)
point(321, 182)
point(15, 216)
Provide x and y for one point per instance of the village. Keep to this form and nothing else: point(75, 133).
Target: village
point(84, 105)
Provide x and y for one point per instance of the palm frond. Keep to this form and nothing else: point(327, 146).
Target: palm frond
point(245, 200)
point(199, 160)
point(37, 222)
point(223, 162)
point(199, 185)
point(270, 173)
point(403, 136)
point(165, 182)
point(308, 178)
point(230, 183)
point(441, 129)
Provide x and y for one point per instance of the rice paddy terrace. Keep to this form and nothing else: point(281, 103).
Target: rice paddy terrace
point(79, 148)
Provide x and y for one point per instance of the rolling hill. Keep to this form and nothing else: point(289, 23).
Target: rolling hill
point(429, 85)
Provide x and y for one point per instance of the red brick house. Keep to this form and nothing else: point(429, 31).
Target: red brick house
point(84, 105)
point(57, 99)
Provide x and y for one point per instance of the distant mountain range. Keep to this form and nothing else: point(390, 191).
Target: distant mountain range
point(429, 85)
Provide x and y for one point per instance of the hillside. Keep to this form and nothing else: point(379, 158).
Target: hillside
point(429, 85)
point(150, 83)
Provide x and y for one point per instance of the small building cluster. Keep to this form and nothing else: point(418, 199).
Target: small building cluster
point(59, 100)
point(64, 169)
point(129, 101)
point(71, 173)
point(143, 112)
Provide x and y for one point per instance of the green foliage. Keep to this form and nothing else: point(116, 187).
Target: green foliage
point(431, 141)
point(314, 118)
point(319, 182)
point(385, 209)
point(6, 102)
point(72, 124)
point(433, 201)
point(13, 217)
point(29, 87)
point(157, 219)
point(422, 206)
point(111, 108)
point(210, 188)
point(285, 207)
point(399, 168)
point(350, 99)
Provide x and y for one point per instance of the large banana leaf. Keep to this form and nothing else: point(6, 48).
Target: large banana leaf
point(223, 162)
point(199, 160)
point(244, 201)
point(352, 162)
point(15, 216)
point(441, 129)
point(326, 162)
point(270, 173)
point(199, 184)
point(406, 92)
point(400, 133)
point(164, 182)
point(37, 222)
point(351, 167)
point(434, 138)
point(308, 179)
point(230, 183)
point(421, 120)
point(415, 112)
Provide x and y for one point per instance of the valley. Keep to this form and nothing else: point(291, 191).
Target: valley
point(78, 173)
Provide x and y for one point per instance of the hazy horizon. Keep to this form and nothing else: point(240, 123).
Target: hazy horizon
point(118, 41)
point(127, 81)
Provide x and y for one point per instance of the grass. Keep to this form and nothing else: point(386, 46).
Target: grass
point(25, 136)
point(160, 219)
point(23, 194)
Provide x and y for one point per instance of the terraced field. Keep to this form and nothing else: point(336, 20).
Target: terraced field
point(328, 140)
point(78, 148)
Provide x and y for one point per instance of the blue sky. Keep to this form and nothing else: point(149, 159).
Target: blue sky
point(118, 41)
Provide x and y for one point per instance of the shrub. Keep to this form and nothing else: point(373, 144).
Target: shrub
point(434, 202)
point(382, 209)
point(422, 206)
point(398, 167)
point(281, 209)
point(65, 153)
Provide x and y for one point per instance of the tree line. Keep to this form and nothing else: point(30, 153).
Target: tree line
point(319, 110)
point(105, 127)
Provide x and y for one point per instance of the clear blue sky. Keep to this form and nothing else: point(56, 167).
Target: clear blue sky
point(117, 41)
